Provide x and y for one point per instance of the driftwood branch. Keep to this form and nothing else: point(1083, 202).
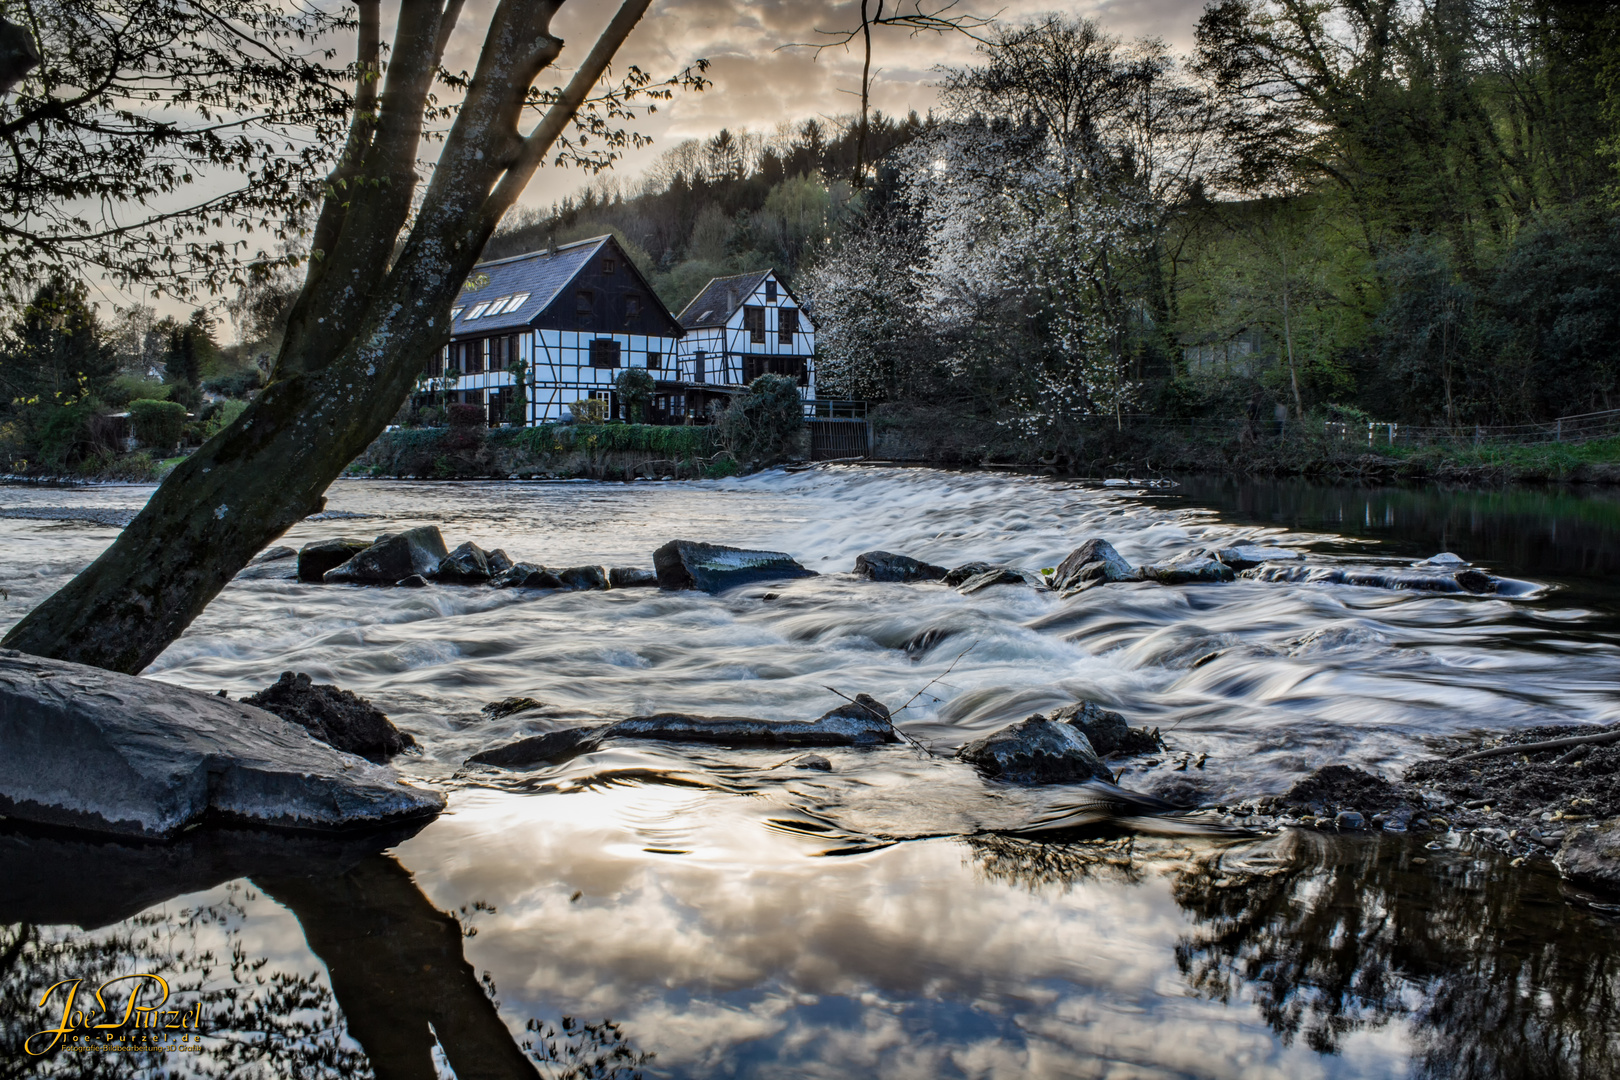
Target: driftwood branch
point(1537, 747)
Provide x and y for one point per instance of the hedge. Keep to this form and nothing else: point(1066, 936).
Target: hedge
point(158, 424)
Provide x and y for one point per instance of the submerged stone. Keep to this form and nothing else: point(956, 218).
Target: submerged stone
point(1036, 751)
point(393, 557)
point(1249, 556)
point(1001, 575)
point(887, 566)
point(415, 581)
point(525, 575)
point(1094, 560)
point(505, 707)
point(273, 554)
point(315, 559)
point(85, 748)
point(862, 722)
point(335, 716)
point(960, 574)
point(712, 568)
point(551, 748)
point(632, 577)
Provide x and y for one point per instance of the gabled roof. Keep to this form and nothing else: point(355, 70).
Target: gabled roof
point(541, 274)
point(720, 299)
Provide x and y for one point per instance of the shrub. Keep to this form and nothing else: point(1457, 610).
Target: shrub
point(158, 424)
point(64, 434)
point(635, 388)
point(236, 384)
point(223, 417)
point(589, 411)
point(765, 423)
point(466, 416)
point(126, 388)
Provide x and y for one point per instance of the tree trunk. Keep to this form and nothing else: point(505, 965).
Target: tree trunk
point(359, 333)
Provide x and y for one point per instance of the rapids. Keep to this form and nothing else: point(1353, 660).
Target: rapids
point(690, 892)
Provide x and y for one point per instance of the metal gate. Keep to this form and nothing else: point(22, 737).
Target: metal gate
point(834, 439)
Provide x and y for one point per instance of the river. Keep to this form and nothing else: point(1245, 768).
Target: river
point(736, 916)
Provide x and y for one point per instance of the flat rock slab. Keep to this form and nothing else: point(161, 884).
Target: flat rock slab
point(91, 749)
point(1001, 575)
point(551, 748)
point(887, 566)
point(1187, 570)
point(860, 723)
point(1036, 751)
point(1590, 857)
point(713, 568)
point(1249, 556)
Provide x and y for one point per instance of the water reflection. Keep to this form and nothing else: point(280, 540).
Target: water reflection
point(1492, 971)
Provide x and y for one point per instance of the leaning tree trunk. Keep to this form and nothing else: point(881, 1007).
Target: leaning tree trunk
point(359, 332)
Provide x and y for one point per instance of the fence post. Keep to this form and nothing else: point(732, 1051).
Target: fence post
point(1558, 430)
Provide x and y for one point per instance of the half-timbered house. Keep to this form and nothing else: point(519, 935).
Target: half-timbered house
point(575, 315)
point(738, 328)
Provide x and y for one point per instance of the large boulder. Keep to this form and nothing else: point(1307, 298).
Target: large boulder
point(712, 568)
point(334, 716)
point(315, 559)
point(1036, 751)
point(887, 566)
point(467, 565)
point(1094, 560)
point(414, 551)
point(862, 722)
point(85, 748)
point(1590, 857)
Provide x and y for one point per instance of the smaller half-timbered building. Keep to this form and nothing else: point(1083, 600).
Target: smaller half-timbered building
point(738, 328)
point(576, 315)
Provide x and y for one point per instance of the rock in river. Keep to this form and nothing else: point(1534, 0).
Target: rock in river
point(632, 577)
point(862, 722)
point(1094, 560)
point(684, 564)
point(1249, 556)
point(1037, 751)
point(1591, 856)
point(887, 566)
point(92, 749)
point(1107, 731)
point(334, 716)
point(467, 565)
point(414, 551)
point(1001, 575)
point(1187, 570)
point(526, 575)
point(314, 560)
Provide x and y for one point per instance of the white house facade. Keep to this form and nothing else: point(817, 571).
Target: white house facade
point(575, 315)
point(737, 329)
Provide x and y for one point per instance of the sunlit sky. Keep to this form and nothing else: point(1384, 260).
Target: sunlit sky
point(758, 84)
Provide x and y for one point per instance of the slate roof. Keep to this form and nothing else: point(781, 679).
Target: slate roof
point(541, 274)
point(720, 299)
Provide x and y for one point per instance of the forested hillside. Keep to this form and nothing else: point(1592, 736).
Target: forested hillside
point(1395, 210)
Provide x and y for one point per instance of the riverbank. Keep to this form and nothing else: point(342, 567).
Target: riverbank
point(937, 436)
point(548, 452)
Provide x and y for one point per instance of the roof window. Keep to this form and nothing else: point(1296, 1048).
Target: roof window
point(477, 310)
point(517, 301)
point(455, 313)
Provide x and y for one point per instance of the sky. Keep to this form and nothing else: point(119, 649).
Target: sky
point(758, 84)
point(760, 80)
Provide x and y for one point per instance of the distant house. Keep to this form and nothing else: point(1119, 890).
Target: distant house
point(737, 329)
point(576, 315)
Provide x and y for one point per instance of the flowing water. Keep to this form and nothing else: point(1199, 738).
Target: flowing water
point(897, 916)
